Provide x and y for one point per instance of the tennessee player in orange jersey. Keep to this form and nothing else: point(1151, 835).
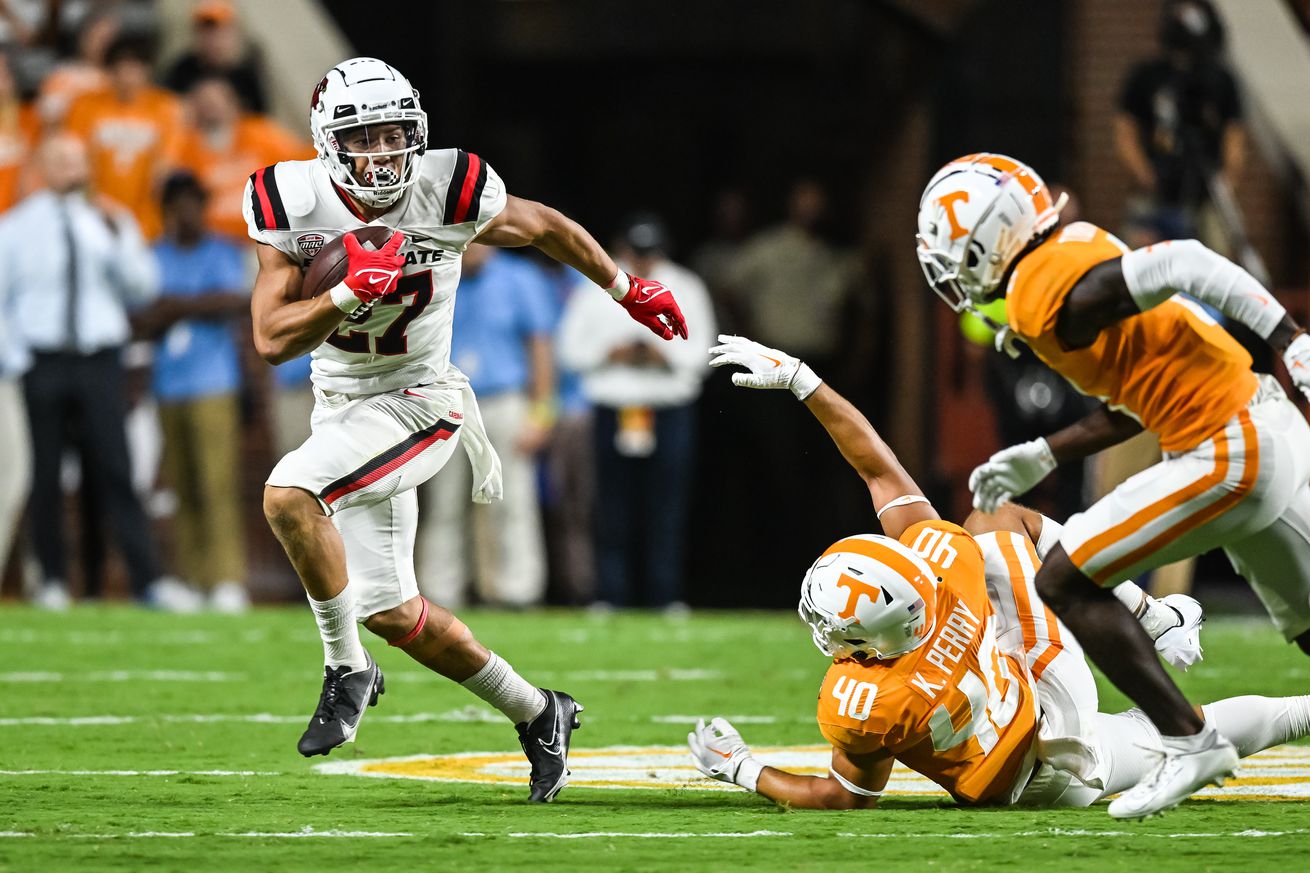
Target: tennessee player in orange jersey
point(1236, 470)
point(133, 133)
point(943, 655)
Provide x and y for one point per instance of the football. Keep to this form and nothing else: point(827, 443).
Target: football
point(329, 266)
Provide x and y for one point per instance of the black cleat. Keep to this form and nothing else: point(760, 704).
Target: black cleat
point(545, 740)
point(340, 707)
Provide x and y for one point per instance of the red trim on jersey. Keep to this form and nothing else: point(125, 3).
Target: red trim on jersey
point(350, 204)
point(466, 191)
point(265, 204)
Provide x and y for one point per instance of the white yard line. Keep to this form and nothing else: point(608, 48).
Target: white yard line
point(125, 676)
point(466, 714)
point(691, 719)
point(307, 833)
point(463, 715)
point(310, 833)
point(633, 835)
point(140, 773)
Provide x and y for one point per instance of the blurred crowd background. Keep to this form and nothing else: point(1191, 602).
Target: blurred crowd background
point(764, 159)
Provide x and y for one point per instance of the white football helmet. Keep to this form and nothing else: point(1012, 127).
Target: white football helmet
point(363, 92)
point(976, 216)
point(869, 596)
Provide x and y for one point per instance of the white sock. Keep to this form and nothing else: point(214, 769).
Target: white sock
point(1154, 616)
point(340, 633)
point(1254, 724)
point(499, 685)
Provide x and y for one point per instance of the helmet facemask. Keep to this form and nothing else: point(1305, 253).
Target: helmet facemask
point(380, 181)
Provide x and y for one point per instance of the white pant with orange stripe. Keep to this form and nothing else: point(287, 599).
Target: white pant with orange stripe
point(1245, 489)
point(1114, 751)
point(1027, 629)
point(365, 457)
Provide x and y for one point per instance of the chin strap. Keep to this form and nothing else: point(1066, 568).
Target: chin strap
point(1007, 342)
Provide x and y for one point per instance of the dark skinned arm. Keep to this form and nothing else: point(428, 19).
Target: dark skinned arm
point(1101, 298)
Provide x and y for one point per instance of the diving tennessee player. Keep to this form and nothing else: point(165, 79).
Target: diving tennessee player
point(390, 408)
point(944, 657)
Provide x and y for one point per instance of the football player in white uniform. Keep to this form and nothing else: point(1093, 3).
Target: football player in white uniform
point(390, 406)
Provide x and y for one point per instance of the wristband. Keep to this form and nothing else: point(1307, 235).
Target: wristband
point(748, 773)
point(619, 286)
point(804, 382)
point(344, 298)
point(1045, 454)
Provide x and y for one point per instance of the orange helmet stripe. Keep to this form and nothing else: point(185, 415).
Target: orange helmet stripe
point(899, 564)
point(1021, 173)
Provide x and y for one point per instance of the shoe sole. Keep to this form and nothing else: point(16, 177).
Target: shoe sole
point(564, 777)
point(379, 688)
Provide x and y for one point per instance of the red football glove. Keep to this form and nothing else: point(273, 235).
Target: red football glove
point(373, 275)
point(653, 305)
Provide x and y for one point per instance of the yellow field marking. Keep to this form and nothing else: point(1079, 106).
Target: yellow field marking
point(1282, 773)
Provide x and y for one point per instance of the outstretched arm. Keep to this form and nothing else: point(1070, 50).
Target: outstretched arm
point(528, 223)
point(897, 499)
point(853, 781)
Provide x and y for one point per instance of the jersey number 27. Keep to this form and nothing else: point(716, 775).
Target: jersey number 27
point(392, 341)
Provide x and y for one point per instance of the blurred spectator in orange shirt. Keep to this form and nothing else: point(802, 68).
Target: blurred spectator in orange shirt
point(218, 48)
point(226, 145)
point(81, 74)
point(19, 128)
point(134, 132)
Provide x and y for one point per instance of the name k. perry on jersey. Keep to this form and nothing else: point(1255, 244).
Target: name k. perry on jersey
point(404, 339)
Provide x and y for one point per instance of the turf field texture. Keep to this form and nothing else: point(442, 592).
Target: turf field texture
point(132, 740)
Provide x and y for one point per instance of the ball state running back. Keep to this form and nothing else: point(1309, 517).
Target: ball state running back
point(390, 408)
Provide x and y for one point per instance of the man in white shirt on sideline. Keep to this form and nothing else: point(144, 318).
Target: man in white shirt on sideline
point(15, 445)
point(74, 321)
point(645, 425)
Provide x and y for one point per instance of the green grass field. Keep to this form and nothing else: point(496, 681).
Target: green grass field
point(217, 704)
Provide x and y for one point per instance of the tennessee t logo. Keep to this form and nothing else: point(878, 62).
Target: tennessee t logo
point(855, 588)
point(947, 202)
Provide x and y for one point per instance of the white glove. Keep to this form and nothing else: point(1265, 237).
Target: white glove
point(1009, 473)
point(719, 752)
point(1181, 645)
point(769, 368)
point(1297, 359)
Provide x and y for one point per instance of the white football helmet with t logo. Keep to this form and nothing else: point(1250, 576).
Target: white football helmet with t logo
point(976, 216)
point(869, 596)
point(363, 92)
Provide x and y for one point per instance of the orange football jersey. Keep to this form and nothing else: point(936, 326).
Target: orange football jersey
point(956, 709)
point(1173, 368)
point(19, 130)
point(256, 142)
point(132, 147)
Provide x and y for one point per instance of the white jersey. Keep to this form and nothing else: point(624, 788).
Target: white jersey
point(404, 340)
